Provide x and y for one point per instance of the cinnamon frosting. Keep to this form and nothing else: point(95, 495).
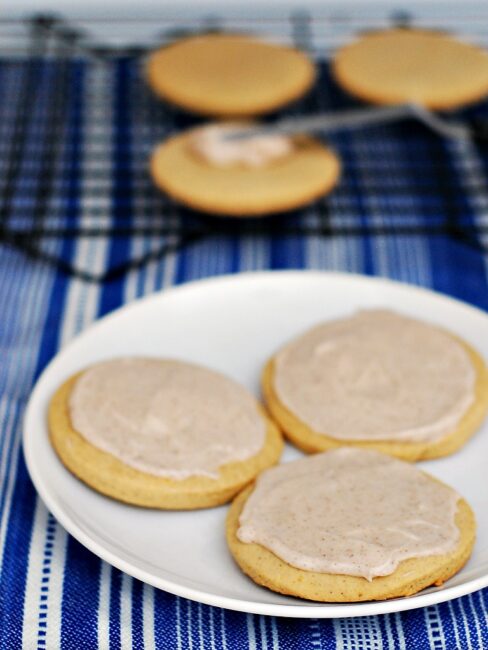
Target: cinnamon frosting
point(166, 417)
point(350, 511)
point(377, 375)
point(211, 145)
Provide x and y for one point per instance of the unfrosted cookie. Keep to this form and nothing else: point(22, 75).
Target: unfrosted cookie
point(413, 65)
point(229, 75)
point(239, 189)
point(385, 528)
point(161, 433)
point(378, 380)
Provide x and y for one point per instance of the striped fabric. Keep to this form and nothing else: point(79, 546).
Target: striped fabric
point(53, 592)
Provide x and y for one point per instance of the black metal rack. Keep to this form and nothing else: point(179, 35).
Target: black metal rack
point(70, 102)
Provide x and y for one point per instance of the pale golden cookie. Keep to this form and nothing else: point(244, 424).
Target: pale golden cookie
point(311, 170)
point(310, 441)
point(412, 575)
point(111, 477)
point(413, 65)
point(229, 75)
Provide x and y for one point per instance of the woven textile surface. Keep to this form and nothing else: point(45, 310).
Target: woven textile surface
point(74, 141)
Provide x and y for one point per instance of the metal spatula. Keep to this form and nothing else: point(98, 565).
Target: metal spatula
point(364, 117)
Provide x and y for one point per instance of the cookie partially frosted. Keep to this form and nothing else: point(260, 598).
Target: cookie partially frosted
point(229, 186)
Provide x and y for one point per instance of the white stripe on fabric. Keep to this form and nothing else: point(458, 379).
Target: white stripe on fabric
point(212, 627)
point(34, 576)
point(315, 633)
point(189, 630)
point(251, 632)
point(8, 418)
point(178, 622)
point(434, 628)
point(253, 254)
point(53, 630)
point(169, 272)
point(399, 628)
point(274, 632)
point(222, 628)
point(200, 626)
point(126, 611)
point(148, 617)
point(353, 633)
point(264, 634)
point(103, 630)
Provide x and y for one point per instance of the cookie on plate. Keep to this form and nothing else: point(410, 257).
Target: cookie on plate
point(245, 178)
point(161, 433)
point(229, 75)
point(378, 380)
point(349, 525)
point(396, 66)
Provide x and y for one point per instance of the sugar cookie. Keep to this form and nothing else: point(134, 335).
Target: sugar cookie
point(309, 170)
point(413, 65)
point(349, 525)
point(229, 75)
point(161, 433)
point(381, 381)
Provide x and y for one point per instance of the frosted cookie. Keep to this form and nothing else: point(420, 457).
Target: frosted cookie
point(161, 433)
point(229, 75)
point(243, 178)
point(378, 380)
point(349, 525)
point(413, 65)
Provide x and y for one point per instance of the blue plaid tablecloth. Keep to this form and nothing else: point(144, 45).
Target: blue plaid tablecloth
point(53, 592)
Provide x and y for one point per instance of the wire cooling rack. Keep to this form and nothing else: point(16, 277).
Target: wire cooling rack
point(77, 124)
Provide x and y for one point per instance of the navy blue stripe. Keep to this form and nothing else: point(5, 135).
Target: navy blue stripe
point(79, 620)
point(235, 624)
point(287, 252)
point(165, 635)
point(415, 629)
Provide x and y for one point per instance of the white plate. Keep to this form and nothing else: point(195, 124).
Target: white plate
point(233, 324)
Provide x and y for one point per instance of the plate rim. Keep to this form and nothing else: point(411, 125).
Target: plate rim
point(305, 609)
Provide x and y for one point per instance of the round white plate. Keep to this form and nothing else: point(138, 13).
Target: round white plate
point(233, 324)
